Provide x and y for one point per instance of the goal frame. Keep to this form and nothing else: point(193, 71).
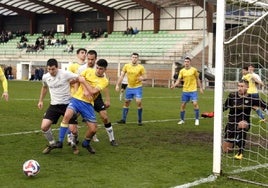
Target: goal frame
point(219, 69)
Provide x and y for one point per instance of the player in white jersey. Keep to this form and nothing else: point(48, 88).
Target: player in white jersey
point(123, 87)
point(99, 105)
point(57, 82)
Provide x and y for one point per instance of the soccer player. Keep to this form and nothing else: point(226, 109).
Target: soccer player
point(239, 104)
point(57, 82)
point(190, 77)
point(4, 84)
point(99, 105)
point(252, 88)
point(92, 81)
point(136, 74)
point(80, 60)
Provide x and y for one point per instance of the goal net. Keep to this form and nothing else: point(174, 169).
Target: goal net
point(246, 43)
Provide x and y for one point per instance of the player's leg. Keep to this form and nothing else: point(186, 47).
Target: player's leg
point(139, 111)
point(51, 116)
point(91, 131)
point(69, 117)
point(74, 133)
point(88, 114)
point(129, 97)
point(242, 129)
point(257, 109)
point(138, 97)
point(108, 126)
point(64, 126)
point(46, 129)
point(121, 94)
point(184, 99)
point(229, 138)
point(194, 98)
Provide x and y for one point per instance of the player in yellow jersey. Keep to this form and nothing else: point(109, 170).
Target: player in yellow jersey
point(252, 88)
point(99, 105)
point(136, 74)
point(73, 67)
point(92, 81)
point(4, 84)
point(190, 77)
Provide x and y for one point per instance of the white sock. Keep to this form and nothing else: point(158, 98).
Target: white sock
point(110, 133)
point(49, 136)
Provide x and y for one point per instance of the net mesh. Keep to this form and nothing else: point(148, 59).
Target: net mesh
point(246, 43)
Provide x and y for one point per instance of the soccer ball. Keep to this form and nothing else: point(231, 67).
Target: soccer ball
point(31, 167)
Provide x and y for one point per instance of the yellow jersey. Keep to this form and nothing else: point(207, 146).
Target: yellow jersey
point(252, 88)
point(94, 81)
point(4, 80)
point(74, 68)
point(190, 77)
point(133, 73)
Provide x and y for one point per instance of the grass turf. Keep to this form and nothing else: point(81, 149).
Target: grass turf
point(158, 154)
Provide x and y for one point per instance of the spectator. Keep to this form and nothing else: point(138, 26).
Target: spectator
point(40, 73)
point(63, 41)
point(135, 31)
point(69, 49)
point(129, 31)
point(23, 39)
point(83, 35)
point(36, 73)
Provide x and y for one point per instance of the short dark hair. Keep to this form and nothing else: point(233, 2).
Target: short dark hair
point(187, 58)
point(102, 63)
point(81, 49)
point(245, 67)
point(52, 62)
point(92, 52)
point(134, 53)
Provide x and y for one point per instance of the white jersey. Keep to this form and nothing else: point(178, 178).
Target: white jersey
point(59, 86)
point(256, 76)
point(124, 81)
point(82, 68)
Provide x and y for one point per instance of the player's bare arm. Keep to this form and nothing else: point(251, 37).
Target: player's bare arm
point(177, 83)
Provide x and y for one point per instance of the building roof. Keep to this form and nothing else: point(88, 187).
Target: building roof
point(15, 7)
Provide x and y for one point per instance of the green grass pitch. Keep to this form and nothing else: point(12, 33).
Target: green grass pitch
point(158, 154)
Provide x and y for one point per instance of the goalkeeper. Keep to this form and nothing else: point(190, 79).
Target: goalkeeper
point(240, 104)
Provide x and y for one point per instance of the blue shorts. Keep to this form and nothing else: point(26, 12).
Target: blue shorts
point(85, 109)
point(255, 95)
point(132, 93)
point(189, 96)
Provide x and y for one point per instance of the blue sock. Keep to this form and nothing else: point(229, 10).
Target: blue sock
point(62, 131)
point(196, 112)
point(139, 115)
point(124, 115)
point(182, 115)
point(259, 112)
point(85, 143)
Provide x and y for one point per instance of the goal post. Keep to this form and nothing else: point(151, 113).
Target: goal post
point(218, 94)
point(241, 40)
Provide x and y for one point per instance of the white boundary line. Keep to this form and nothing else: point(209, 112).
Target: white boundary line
point(100, 125)
point(249, 168)
point(198, 182)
